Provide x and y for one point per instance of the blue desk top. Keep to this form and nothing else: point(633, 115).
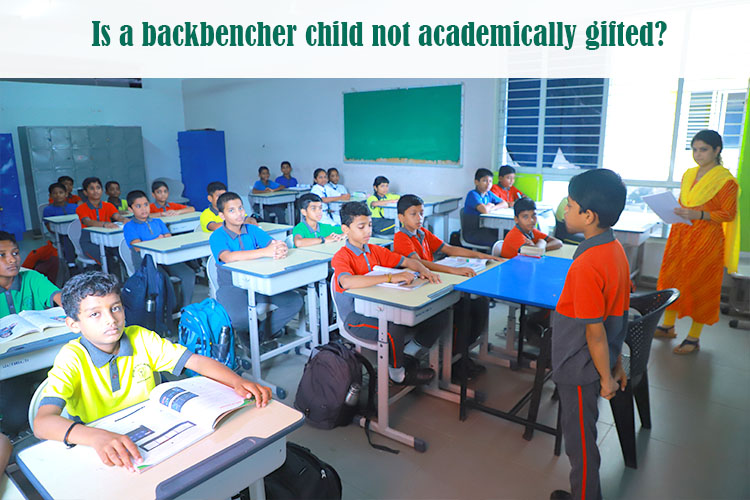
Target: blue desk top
point(523, 280)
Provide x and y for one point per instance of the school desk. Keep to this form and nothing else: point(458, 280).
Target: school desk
point(32, 351)
point(525, 281)
point(246, 446)
point(503, 219)
point(283, 197)
point(9, 490)
point(437, 207)
point(407, 308)
point(106, 238)
point(182, 223)
point(330, 249)
point(270, 277)
point(59, 224)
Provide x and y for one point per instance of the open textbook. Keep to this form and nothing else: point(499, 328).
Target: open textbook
point(176, 415)
point(16, 325)
point(475, 264)
point(380, 270)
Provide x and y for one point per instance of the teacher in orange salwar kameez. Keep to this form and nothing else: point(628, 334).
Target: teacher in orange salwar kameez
point(696, 254)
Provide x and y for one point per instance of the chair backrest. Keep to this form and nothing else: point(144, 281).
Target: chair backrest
point(176, 188)
point(74, 234)
point(34, 403)
point(40, 210)
point(126, 256)
point(213, 280)
point(462, 217)
point(530, 185)
point(641, 330)
point(372, 345)
point(198, 228)
point(289, 240)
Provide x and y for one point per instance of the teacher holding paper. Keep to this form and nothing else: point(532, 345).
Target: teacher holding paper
point(695, 255)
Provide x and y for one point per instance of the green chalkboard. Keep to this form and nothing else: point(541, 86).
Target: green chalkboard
point(416, 125)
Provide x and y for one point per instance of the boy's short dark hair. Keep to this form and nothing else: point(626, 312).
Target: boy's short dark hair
point(262, 168)
point(158, 184)
point(407, 201)
point(58, 185)
point(285, 163)
point(304, 201)
point(6, 236)
point(90, 180)
point(134, 195)
point(601, 191)
point(226, 198)
point(505, 170)
point(332, 169)
point(381, 179)
point(522, 205)
point(77, 288)
point(481, 173)
point(351, 210)
point(215, 186)
point(109, 183)
point(64, 178)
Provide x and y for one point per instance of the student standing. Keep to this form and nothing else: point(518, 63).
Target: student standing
point(708, 199)
point(590, 323)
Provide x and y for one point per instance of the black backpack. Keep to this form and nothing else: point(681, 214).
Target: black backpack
point(149, 299)
point(303, 477)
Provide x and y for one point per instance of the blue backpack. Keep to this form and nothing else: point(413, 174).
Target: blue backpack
point(149, 299)
point(200, 328)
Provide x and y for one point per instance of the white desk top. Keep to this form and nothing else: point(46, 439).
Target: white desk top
point(408, 299)
point(78, 472)
point(9, 489)
point(60, 219)
point(104, 230)
point(636, 222)
point(191, 239)
point(37, 340)
point(267, 267)
point(271, 228)
point(282, 192)
point(180, 218)
point(331, 248)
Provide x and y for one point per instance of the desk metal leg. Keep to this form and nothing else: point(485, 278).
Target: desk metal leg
point(258, 490)
point(103, 256)
point(252, 314)
point(312, 314)
point(290, 213)
point(521, 331)
point(441, 387)
point(324, 333)
point(539, 378)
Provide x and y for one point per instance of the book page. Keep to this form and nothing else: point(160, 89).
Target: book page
point(380, 271)
point(663, 204)
point(14, 326)
point(475, 264)
point(46, 318)
point(204, 400)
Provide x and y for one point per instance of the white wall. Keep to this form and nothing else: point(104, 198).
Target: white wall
point(156, 108)
point(301, 120)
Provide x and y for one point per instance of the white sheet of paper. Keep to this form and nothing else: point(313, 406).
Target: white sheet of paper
point(663, 204)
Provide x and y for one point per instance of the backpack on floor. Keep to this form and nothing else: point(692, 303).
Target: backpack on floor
point(149, 299)
point(302, 477)
point(200, 331)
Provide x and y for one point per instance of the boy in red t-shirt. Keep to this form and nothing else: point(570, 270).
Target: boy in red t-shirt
point(525, 232)
point(97, 213)
point(504, 189)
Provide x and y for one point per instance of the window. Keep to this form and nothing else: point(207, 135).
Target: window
point(555, 123)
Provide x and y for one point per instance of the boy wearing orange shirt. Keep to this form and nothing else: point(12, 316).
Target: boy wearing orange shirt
point(504, 189)
point(161, 207)
point(525, 232)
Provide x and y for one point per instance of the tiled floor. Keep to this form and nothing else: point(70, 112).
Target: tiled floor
point(699, 446)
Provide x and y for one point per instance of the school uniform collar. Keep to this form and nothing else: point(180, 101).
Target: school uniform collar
point(232, 234)
point(101, 358)
point(529, 235)
point(92, 207)
point(213, 210)
point(334, 186)
point(165, 206)
point(148, 221)
point(15, 285)
point(312, 231)
point(357, 251)
point(607, 236)
point(380, 197)
point(419, 233)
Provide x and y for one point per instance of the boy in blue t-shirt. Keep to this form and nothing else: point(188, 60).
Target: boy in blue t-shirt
point(286, 179)
point(237, 241)
point(61, 206)
point(480, 200)
point(144, 228)
point(265, 185)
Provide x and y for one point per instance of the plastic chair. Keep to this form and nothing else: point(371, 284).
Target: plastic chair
point(213, 286)
point(530, 184)
point(639, 337)
point(74, 233)
point(176, 188)
point(40, 210)
point(380, 423)
point(126, 256)
point(465, 243)
point(36, 399)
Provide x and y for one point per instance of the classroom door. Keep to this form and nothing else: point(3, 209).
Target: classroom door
point(11, 209)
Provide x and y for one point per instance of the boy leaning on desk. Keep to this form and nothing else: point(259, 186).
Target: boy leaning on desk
point(111, 367)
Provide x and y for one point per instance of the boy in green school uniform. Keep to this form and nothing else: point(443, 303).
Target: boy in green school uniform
point(111, 367)
point(310, 231)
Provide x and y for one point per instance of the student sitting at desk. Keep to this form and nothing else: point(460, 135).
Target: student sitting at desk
point(210, 218)
point(67, 181)
point(20, 291)
point(111, 367)
point(112, 188)
point(311, 231)
point(161, 207)
point(143, 228)
point(97, 213)
point(265, 185)
point(525, 232)
point(61, 206)
point(379, 199)
point(350, 264)
point(320, 188)
point(590, 323)
point(417, 242)
point(505, 190)
point(480, 201)
point(236, 241)
point(286, 179)
point(333, 188)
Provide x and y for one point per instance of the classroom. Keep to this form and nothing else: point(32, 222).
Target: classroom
point(454, 436)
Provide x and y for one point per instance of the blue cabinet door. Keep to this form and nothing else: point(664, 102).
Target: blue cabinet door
point(203, 159)
point(11, 208)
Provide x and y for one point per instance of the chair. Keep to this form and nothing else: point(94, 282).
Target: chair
point(213, 286)
point(289, 240)
point(36, 399)
point(380, 423)
point(126, 256)
point(530, 185)
point(74, 233)
point(465, 243)
point(176, 188)
point(40, 210)
point(639, 337)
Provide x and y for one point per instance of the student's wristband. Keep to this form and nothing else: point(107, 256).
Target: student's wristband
point(322, 239)
point(390, 277)
point(67, 434)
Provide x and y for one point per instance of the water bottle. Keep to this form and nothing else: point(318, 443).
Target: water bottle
point(223, 343)
point(352, 395)
point(150, 304)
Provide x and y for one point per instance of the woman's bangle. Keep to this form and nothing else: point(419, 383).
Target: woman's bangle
point(67, 434)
